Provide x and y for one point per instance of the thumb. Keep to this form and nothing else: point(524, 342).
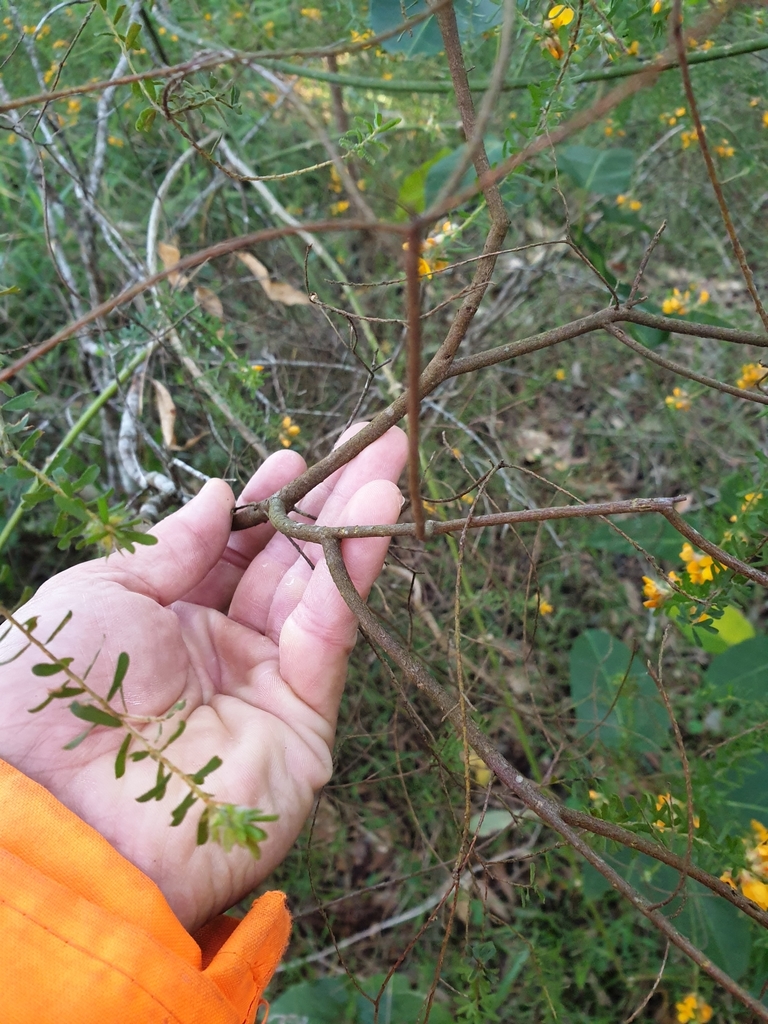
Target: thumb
point(189, 543)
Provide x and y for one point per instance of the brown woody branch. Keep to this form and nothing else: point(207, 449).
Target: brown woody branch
point(546, 809)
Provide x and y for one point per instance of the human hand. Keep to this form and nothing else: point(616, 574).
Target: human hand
point(240, 628)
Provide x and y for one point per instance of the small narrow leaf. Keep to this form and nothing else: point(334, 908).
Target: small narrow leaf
point(132, 34)
point(60, 626)
point(90, 713)
point(72, 507)
point(139, 755)
point(179, 813)
point(212, 765)
point(202, 829)
point(50, 669)
point(123, 662)
point(146, 119)
point(121, 756)
point(176, 733)
point(118, 14)
point(77, 740)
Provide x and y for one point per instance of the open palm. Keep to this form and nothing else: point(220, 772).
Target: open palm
point(243, 630)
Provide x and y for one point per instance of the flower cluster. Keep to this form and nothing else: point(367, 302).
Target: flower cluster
point(672, 119)
point(557, 17)
point(428, 267)
point(725, 149)
point(656, 594)
point(700, 569)
point(679, 302)
point(688, 138)
point(752, 880)
point(693, 1008)
point(289, 432)
point(752, 374)
point(632, 204)
point(679, 399)
point(667, 802)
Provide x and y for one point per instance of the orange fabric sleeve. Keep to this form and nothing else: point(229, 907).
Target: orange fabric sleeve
point(89, 939)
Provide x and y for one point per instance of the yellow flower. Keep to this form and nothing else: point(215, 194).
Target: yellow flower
point(752, 499)
point(693, 1008)
point(680, 112)
point(756, 891)
point(289, 431)
point(480, 769)
point(559, 16)
point(257, 368)
point(675, 303)
point(621, 199)
point(656, 7)
point(703, 297)
point(687, 554)
point(560, 373)
point(679, 399)
point(50, 73)
point(707, 44)
point(340, 207)
point(635, 204)
point(701, 569)
point(269, 29)
point(752, 374)
point(554, 47)
point(207, 16)
point(660, 825)
point(429, 507)
point(725, 149)
point(60, 44)
point(311, 13)
point(114, 141)
point(655, 596)
point(634, 48)
point(427, 269)
point(663, 798)
point(686, 138)
point(73, 106)
point(545, 608)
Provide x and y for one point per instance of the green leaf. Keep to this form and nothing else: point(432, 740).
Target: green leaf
point(441, 170)
point(149, 85)
point(742, 672)
point(21, 402)
point(146, 119)
point(123, 661)
point(51, 668)
point(132, 34)
point(602, 171)
point(202, 829)
point(424, 38)
point(72, 506)
point(118, 14)
point(158, 790)
point(321, 1001)
point(180, 812)
point(490, 823)
point(411, 194)
point(175, 735)
point(121, 757)
point(77, 740)
point(86, 479)
point(614, 697)
point(140, 755)
point(730, 629)
point(214, 763)
point(60, 626)
point(61, 693)
point(90, 713)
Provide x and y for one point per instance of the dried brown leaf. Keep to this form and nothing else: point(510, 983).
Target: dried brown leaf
point(209, 301)
point(166, 411)
point(276, 291)
point(170, 255)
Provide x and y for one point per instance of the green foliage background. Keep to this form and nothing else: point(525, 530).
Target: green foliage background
point(566, 694)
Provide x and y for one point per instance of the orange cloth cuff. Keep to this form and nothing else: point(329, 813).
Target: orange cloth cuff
point(89, 938)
